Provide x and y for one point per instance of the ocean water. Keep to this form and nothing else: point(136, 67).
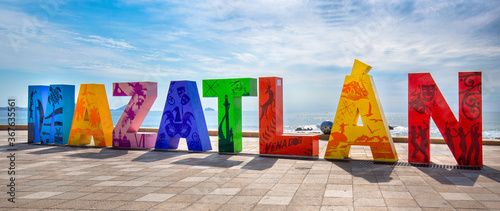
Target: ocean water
point(294, 119)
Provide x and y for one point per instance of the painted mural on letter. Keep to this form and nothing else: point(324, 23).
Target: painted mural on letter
point(464, 137)
point(37, 102)
point(229, 93)
point(50, 113)
point(92, 117)
point(125, 133)
point(271, 137)
point(183, 117)
point(359, 99)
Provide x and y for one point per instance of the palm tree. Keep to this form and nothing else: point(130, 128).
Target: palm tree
point(54, 98)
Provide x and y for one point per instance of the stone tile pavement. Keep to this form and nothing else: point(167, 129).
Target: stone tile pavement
point(85, 178)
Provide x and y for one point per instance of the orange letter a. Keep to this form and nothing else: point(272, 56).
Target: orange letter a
point(92, 117)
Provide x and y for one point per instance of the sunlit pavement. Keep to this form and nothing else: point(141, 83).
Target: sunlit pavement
point(62, 177)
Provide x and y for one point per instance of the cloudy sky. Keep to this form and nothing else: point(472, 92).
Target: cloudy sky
point(311, 44)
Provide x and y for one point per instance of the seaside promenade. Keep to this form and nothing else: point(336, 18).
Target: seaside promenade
point(51, 177)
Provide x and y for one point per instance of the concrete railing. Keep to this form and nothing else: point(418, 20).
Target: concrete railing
point(256, 134)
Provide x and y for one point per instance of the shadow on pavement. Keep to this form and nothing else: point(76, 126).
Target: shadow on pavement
point(103, 154)
point(213, 160)
point(223, 161)
point(53, 149)
point(462, 177)
point(373, 172)
point(156, 155)
point(24, 146)
point(379, 172)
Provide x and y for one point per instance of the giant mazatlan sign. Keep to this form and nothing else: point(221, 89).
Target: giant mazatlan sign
point(54, 118)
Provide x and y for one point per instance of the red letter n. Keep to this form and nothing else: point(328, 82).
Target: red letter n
point(464, 137)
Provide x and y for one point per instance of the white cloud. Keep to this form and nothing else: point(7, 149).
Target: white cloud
point(246, 57)
point(160, 56)
point(108, 42)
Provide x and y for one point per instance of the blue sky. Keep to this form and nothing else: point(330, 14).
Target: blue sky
point(311, 44)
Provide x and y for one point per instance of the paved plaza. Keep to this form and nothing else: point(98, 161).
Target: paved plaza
point(84, 178)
